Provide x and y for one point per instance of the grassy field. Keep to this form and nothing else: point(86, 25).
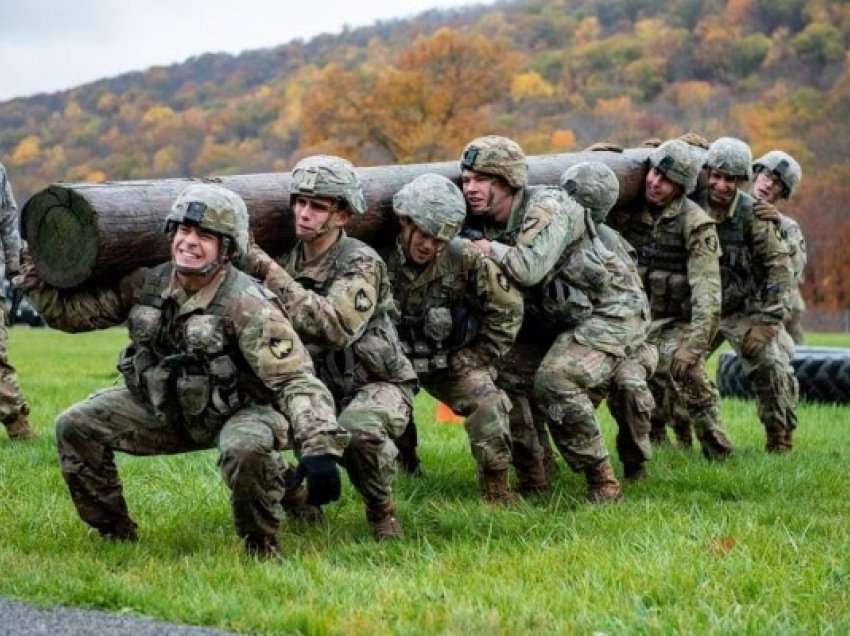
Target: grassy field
point(757, 545)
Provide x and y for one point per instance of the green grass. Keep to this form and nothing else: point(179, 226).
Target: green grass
point(758, 545)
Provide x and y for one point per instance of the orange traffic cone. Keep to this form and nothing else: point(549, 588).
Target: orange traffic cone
point(446, 416)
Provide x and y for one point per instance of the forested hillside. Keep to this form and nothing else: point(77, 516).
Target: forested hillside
point(554, 74)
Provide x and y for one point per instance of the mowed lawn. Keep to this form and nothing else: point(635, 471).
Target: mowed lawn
point(757, 545)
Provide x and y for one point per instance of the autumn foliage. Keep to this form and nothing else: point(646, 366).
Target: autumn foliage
point(556, 75)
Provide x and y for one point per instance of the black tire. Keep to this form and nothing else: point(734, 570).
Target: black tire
point(823, 374)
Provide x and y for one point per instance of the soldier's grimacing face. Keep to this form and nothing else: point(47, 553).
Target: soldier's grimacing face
point(421, 247)
point(193, 247)
point(313, 215)
point(484, 193)
point(722, 187)
point(659, 190)
point(767, 187)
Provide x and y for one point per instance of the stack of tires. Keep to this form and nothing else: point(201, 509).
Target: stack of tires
point(823, 374)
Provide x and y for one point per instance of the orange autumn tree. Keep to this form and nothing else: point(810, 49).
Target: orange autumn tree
point(421, 109)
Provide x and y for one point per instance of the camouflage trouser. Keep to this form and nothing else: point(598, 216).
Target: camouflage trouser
point(89, 432)
point(474, 395)
point(12, 403)
point(529, 437)
point(571, 381)
point(695, 402)
point(793, 323)
point(375, 416)
point(770, 372)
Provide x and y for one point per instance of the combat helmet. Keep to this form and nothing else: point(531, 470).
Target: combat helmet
point(434, 204)
point(215, 209)
point(731, 156)
point(676, 161)
point(594, 186)
point(497, 156)
point(328, 176)
point(784, 167)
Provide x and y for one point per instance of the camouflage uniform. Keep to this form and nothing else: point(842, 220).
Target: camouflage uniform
point(756, 273)
point(543, 221)
point(594, 298)
point(678, 258)
point(13, 408)
point(342, 307)
point(459, 315)
point(785, 168)
point(222, 368)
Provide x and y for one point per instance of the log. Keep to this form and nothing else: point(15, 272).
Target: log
point(80, 232)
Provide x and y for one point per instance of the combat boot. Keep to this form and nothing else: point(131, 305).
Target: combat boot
point(778, 441)
point(684, 436)
point(532, 479)
point(603, 486)
point(715, 445)
point(295, 505)
point(658, 435)
point(124, 530)
point(495, 488)
point(381, 516)
point(408, 459)
point(262, 546)
point(634, 471)
point(19, 429)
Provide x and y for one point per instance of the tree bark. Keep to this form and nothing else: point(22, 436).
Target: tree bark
point(100, 231)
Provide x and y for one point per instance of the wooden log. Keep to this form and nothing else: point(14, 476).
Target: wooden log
point(99, 231)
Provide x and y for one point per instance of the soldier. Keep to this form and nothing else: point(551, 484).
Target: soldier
point(756, 272)
point(777, 176)
point(337, 291)
point(14, 409)
point(594, 298)
point(459, 315)
point(678, 257)
point(524, 229)
point(213, 361)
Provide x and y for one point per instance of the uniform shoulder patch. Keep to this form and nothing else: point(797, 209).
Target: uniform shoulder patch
point(280, 348)
point(503, 281)
point(711, 242)
point(529, 224)
point(362, 302)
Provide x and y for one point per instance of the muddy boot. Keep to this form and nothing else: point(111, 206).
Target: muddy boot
point(634, 472)
point(19, 429)
point(778, 441)
point(381, 516)
point(603, 486)
point(658, 434)
point(125, 530)
point(495, 488)
point(262, 546)
point(295, 505)
point(408, 458)
point(532, 479)
point(715, 445)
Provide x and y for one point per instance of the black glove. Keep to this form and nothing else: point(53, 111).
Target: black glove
point(322, 475)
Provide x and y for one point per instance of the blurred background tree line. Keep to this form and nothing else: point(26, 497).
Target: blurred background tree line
point(556, 75)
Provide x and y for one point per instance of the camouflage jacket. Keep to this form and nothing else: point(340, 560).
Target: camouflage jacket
point(461, 304)
point(596, 293)
point(10, 238)
point(342, 307)
point(543, 221)
point(755, 265)
point(796, 242)
point(231, 333)
point(678, 258)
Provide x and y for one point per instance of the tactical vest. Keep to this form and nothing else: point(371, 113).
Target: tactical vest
point(187, 368)
point(376, 356)
point(662, 254)
point(741, 275)
point(437, 321)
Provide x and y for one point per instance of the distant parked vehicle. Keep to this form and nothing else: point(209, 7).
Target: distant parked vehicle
point(19, 311)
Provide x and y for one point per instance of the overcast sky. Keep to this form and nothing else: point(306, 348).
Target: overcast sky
point(51, 45)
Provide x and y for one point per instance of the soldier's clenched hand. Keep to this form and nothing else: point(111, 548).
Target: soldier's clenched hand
point(322, 475)
point(683, 361)
point(766, 211)
point(757, 337)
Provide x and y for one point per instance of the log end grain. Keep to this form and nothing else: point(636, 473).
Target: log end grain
point(61, 229)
